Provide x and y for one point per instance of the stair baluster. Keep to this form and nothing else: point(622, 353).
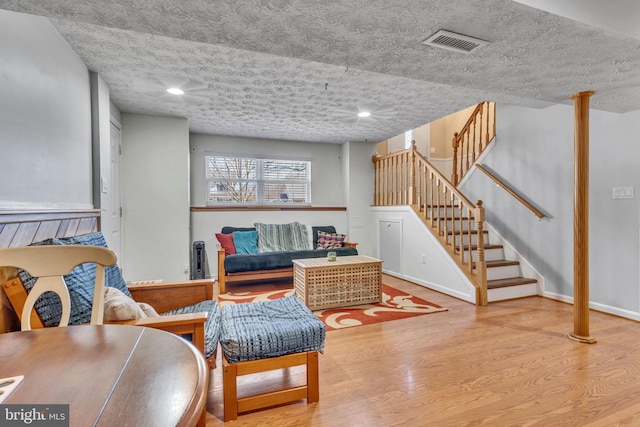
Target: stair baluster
point(469, 143)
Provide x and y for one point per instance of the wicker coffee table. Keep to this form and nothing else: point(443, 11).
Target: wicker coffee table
point(349, 280)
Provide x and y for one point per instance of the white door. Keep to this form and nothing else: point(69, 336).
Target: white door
point(390, 244)
point(115, 241)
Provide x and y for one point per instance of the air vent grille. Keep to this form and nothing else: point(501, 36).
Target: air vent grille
point(453, 41)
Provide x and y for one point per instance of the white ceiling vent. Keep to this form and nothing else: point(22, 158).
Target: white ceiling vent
point(452, 41)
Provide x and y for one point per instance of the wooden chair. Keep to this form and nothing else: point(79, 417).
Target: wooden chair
point(163, 297)
point(49, 264)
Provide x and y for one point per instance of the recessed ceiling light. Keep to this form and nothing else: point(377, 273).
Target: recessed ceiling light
point(175, 91)
point(364, 114)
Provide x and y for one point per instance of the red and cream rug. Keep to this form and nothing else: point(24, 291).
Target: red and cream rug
point(395, 305)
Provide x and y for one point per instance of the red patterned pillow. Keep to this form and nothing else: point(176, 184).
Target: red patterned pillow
point(329, 241)
point(226, 241)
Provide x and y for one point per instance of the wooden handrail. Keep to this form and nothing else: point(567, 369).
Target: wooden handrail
point(509, 190)
point(473, 139)
point(408, 178)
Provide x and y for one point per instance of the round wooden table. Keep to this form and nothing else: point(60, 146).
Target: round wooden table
point(109, 375)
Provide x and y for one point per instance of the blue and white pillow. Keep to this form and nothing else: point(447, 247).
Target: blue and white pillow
point(80, 283)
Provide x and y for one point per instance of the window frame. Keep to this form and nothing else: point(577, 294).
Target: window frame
point(259, 181)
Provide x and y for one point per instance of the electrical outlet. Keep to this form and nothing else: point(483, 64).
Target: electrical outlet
point(424, 259)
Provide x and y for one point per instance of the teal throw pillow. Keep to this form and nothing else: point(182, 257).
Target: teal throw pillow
point(246, 242)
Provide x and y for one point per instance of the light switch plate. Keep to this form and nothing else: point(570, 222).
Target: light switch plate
point(623, 192)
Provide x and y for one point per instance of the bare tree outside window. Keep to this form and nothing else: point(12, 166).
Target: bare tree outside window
point(239, 180)
point(231, 180)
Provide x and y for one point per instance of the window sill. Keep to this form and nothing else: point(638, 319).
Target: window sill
point(266, 208)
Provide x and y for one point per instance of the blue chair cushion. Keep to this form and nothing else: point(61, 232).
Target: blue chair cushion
point(80, 283)
point(211, 326)
point(260, 330)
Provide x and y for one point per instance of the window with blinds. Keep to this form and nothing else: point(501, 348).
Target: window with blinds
point(251, 181)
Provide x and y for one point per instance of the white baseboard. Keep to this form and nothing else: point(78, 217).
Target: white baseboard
point(616, 311)
point(433, 286)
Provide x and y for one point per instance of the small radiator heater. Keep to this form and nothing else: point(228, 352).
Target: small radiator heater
point(197, 260)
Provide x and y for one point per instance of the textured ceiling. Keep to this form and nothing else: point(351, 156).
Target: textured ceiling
point(301, 69)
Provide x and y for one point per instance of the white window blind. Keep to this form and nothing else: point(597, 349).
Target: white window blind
point(242, 180)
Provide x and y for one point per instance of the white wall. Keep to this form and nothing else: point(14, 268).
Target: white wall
point(358, 183)
point(45, 121)
point(439, 272)
point(101, 142)
point(534, 154)
point(155, 194)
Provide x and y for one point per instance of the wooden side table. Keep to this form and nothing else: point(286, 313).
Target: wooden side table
point(109, 375)
point(347, 281)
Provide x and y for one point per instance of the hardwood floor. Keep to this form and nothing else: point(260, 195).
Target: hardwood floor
point(508, 364)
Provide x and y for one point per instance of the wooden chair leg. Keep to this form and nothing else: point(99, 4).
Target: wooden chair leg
point(230, 372)
point(313, 386)
point(230, 391)
point(202, 422)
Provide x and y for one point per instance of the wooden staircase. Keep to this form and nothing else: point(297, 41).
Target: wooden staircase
point(408, 178)
point(501, 273)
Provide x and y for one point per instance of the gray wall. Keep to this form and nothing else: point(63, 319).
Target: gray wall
point(325, 163)
point(155, 195)
point(534, 154)
point(45, 117)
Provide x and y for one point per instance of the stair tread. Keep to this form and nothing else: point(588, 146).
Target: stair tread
point(501, 263)
point(511, 281)
point(475, 247)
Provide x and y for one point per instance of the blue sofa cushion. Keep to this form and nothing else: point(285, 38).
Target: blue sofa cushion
point(259, 330)
point(211, 326)
point(230, 230)
point(80, 283)
point(238, 263)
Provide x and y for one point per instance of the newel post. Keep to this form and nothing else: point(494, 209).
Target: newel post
point(581, 220)
point(481, 265)
point(454, 174)
point(412, 174)
point(376, 180)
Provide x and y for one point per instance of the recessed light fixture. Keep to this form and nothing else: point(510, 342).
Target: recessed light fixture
point(364, 114)
point(175, 91)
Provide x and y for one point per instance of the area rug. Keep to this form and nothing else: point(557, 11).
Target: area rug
point(395, 305)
